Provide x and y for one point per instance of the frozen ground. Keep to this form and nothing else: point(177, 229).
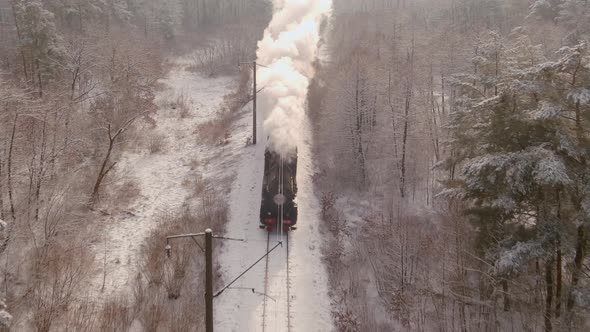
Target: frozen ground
point(305, 306)
point(159, 175)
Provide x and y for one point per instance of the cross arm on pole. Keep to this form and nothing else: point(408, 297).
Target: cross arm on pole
point(251, 63)
point(208, 250)
point(184, 235)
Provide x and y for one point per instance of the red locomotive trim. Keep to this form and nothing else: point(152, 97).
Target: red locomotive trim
point(270, 221)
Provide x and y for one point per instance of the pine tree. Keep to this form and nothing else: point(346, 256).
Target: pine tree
point(575, 16)
point(75, 13)
point(523, 155)
point(545, 9)
point(39, 41)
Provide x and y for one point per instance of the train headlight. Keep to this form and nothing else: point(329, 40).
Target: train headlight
point(280, 199)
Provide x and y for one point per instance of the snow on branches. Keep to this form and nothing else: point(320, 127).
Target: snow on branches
point(519, 135)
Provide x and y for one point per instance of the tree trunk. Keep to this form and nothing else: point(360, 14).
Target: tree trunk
point(558, 281)
point(103, 172)
point(41, 169)
point(461, 274)
point(506, 295)
point(1, 187)
point(558, 264)
point(359, 127)
point(104, 169)
point(549, 297)
point(538, 292)
point(578, 264)
point(31, 168)
point(10, 225)
point(409, 90)
point(80, 16)
point(402, 187)
point(433, 125)
point(442, 80)
point(39, 78)
point(395, 153)
point(22, 53)
point(9, 171)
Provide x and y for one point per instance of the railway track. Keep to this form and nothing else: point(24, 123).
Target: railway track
point(288, 287)
point(276, 276)
point(277, 301)
point(265, 284)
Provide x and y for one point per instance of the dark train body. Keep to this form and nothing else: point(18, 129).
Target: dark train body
point(273, 203)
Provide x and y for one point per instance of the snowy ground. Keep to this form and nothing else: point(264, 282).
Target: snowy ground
point(241, 309)
point(160, 178)
point(159, 175)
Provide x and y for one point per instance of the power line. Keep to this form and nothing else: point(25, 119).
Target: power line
point(248, 269)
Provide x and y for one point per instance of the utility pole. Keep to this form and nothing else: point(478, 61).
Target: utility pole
point(209, 280)
point(208, 250)
point(208, 270)
point(254, 93)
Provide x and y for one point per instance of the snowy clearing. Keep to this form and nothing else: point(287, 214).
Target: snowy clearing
point(160, 174)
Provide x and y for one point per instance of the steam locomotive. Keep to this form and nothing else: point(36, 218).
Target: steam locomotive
point(279, 191)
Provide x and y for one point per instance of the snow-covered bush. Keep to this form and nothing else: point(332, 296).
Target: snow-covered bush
point(5, 317)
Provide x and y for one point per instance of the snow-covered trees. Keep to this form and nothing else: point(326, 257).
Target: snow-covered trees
point(76, 76)
point(483, 89)
point(545, 9)
point(574, 15)
point(358, 113)
point(523, 153)
point(75, 14)
point(39, 42)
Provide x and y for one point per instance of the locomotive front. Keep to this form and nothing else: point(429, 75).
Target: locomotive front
point(279, 192)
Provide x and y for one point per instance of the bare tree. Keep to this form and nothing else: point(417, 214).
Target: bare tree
point(107, 165)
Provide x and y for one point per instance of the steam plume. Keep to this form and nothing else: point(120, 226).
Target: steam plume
point(288, 49)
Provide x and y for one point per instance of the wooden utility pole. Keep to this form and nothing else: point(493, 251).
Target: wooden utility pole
point(208, 270)
point(254, 93)
point(209, 280)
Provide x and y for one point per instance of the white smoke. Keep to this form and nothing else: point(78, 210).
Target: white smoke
point(288, 49)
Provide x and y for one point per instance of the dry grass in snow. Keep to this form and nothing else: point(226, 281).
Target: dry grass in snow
point(150, 181)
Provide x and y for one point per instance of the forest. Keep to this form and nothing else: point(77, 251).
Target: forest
point(449, 139)
point(452, 138)
point(79, 82)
